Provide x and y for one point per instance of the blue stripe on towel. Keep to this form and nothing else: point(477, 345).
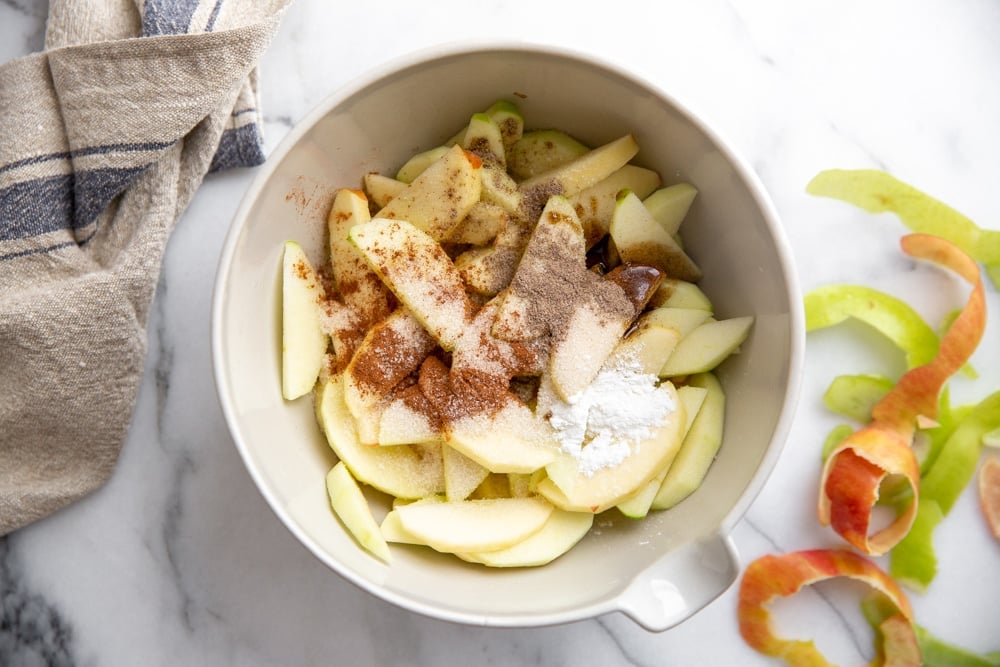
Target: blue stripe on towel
point(239, 147)
point(53, 203)
point(215, 14)
point(92, 150)
point(167, 17)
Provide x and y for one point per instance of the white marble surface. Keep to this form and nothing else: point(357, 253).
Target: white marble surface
point(179, 561)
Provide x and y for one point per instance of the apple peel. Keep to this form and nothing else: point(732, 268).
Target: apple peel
point(774, 576)
point(856, 468)
point(989, 493)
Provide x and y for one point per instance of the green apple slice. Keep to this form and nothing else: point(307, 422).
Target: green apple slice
point(474, 525)
point(606, 487)
point(461, 474)
point(596, 204)
point(419, 163)
point(409, 471)
point(382, 189)
point(675, 293)
point(357, 285)
point(570, 178)
point(590, 338)
point(439, 197)
point(487, 271)
point(638, 505)
point(639, 239)
point(349, 503)
point(559, 534)
point(542, 150)
point(683, 320)
point(670, 205)
point(419, 272)
point(303, 341)
point(483, 137)
point(507, 117)
point(699, 447)
point(707, 346)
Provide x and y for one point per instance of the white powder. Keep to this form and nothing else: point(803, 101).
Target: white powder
point(603, 424)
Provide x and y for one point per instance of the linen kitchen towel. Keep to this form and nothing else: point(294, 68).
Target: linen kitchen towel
point(104, 138)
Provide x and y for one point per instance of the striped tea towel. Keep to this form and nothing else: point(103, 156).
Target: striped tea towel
point(104, 138)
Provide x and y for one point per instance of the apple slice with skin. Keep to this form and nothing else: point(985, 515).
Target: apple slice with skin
point(707, 346)
point(570, 178)
point(382, 189)
point(474, 525)
point(607, 487)
point(639, 239)
point(596, 204)
point(559, 534)
point(357, 285)
point(411, 471)
point(303, 342)
point(349, 503)
point(439, 197)
point(539, 151)
point(699, 447)
point(419, 272)
point(638, 505)
point(419, 163)
point(673, 293)
point(670, 205)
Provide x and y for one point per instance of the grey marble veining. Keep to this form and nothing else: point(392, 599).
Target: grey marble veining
point(178, 560)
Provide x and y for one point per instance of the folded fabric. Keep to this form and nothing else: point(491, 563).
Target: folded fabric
point(104, 138)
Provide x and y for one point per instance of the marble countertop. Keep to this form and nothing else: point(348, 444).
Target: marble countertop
point(178, 560)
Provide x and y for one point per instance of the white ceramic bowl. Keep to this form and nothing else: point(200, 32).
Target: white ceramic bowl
point(659, 570)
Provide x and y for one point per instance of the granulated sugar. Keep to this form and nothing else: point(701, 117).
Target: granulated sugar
point(604, 424)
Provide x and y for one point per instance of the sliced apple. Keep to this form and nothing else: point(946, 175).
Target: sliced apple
point(481, 225)
point(570, 178)
point(403, 423)
point(487, 271)
point(303, 342)
point(349, 503)
point(409, 471)
point(461, 474)
point(369, 380)
point(608, 486)
point(382, 189)
point(357, 285)
point(542, 150)
point(474, 525)
point(638, 504)
point(576, 359)
point(670, 205)
point(392, 530)
point(699, 447)
point(507, 117)
point(683, 320)
point(439, 197)
point(483, 137)
point(419, 163)
point(559, 534)
point(707, 346)
point(419, 272)
point(638, 238)
point(507, 441)
point(650, 344)
point(674, 293)
point(596, 204)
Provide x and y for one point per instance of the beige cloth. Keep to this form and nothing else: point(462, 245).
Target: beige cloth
point(104, 138)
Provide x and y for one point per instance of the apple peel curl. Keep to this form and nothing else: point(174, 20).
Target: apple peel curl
point(774, 576)
point(856, 468)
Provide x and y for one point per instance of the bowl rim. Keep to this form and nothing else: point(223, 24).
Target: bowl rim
point(445, 50)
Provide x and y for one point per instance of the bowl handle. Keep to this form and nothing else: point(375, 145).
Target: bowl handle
point(681, 582)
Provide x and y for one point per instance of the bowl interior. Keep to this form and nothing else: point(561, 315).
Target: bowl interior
point(374, 125)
